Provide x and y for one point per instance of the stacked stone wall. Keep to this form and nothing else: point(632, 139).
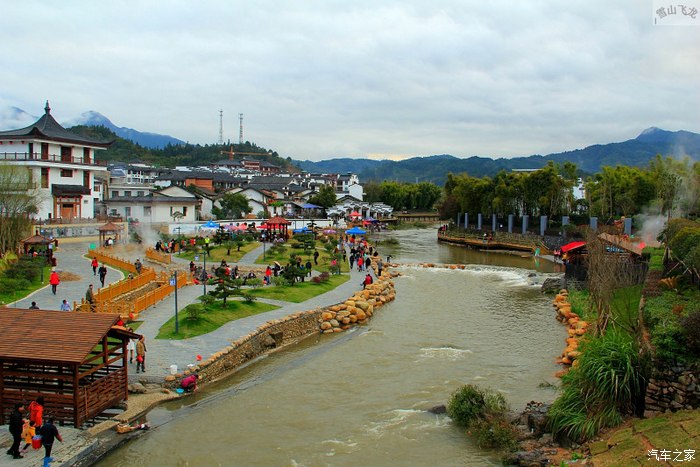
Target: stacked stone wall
point(673, 388)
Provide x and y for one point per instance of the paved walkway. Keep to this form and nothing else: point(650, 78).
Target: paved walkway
point(161, 354)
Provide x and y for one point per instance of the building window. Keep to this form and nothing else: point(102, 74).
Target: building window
point(184, 211)
point(44, 177)
point(96, 187)
point(127, 193)
point(147, 211)
point(45, 151)
point(66, 154)
point(127, 211)
point(66, 173)
point(139, 193)
point(115, 193)
point(86, 156)
point(86, 179)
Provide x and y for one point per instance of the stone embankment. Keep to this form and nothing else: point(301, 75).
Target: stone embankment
point(576, 327)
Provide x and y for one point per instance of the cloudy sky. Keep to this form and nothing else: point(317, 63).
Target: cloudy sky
point(382, 79)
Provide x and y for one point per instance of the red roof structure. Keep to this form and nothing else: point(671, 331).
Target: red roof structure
point(572, 246)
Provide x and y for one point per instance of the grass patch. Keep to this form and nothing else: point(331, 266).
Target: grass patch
point(283, 252)
point(655, 257)
point(219, 252)
point(213, 317)
point(664, 316)
point(300, 291)
point(22, 278)
point(625, 307)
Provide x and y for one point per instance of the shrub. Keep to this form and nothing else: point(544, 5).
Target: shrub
point(691, 331)
point(25, 269)
point(470, 403)
point(494, 432)
point(607, 383)
point(8, 285)
point(194, 311)
point(323, 277)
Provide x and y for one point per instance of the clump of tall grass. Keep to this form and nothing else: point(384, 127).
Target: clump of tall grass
point(482, 412)
point(607, 383)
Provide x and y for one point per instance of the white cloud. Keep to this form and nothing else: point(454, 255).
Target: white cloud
point(320, 79)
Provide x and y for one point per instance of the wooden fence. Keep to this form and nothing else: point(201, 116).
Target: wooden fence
point(124, 286)
point(158, 256)
point(104, 257)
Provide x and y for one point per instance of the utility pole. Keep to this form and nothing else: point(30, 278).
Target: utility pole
point(240, 131)
point(221, 127)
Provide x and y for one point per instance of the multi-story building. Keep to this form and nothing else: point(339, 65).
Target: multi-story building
point(61, 163)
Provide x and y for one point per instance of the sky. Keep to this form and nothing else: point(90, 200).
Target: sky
point(364, 79)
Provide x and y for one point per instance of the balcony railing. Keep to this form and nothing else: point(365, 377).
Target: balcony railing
point(36, 156)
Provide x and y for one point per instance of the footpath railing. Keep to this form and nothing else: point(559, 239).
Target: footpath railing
point(158, 256)
point(104, 257)
point(107, 298)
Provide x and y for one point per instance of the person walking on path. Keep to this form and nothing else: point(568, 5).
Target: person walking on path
point(54, 280)
point(94, 265)
point(138, 266)
point(141, 355)
point(65, 306)
point(103, 273)
point(316, 257)
point(49, 433)
point(90, 298)
point(380, 266)
point(16, 424)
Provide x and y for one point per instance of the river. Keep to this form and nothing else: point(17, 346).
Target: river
point(360, 398)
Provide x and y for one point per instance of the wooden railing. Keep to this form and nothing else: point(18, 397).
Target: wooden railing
point(124, 286)
point(104, 257)
point(157, 256)
point(154, 296)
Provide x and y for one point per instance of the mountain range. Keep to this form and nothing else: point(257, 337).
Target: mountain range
point(634, 152)
point(14, 117)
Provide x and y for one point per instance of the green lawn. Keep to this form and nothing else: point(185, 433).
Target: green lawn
point(282, 257)
point(300, 291)
point(13, 292)
point(211, 319)
point(218, 253)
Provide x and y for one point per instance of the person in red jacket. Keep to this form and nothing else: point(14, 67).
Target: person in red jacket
point(94, 265)
point(189, 383)
point(54, 280)
point(36, 411)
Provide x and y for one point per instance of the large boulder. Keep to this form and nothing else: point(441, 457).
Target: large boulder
point(553, 284)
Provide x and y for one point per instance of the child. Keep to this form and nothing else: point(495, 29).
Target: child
point(28, 432)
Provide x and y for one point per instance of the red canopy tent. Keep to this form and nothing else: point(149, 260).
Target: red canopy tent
point(572, 246)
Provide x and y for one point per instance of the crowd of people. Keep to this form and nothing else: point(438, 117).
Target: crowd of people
point(29, 423)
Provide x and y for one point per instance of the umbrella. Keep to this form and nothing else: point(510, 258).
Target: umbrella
point(264, 226)
point(302, 230)
point(211, 225)
point(355, 231)
point(329, 231)
point(355, 214)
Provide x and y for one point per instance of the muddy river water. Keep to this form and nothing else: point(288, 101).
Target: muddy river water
point(360, 398)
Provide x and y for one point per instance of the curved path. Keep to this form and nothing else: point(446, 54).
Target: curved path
point(161, 354)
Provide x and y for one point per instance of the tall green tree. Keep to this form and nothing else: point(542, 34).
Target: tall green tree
point(233, 206)
point(325, 197)
point(19, 199)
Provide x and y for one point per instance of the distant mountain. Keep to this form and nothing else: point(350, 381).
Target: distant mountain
point(634, 152)
point(12, 118)
point(145, 139)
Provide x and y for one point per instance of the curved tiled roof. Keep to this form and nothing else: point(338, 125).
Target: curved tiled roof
point(47, 127)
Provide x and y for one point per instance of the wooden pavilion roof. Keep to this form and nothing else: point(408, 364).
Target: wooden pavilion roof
point(110, 227)
point(36, 240)
point(277, 220)
point(53, 336)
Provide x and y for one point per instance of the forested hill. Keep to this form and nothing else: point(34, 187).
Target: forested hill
point(123, 150)
point(635, 152)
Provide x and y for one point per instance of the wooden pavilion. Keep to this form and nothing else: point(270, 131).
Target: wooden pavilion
point(277, 224)
point(41, 245)
point(76, 361)
point(110, 228)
